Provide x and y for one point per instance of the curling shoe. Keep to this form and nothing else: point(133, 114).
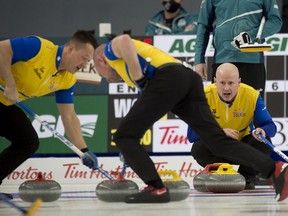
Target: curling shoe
point(150, 195)
point(280, 180)
point(249, 185)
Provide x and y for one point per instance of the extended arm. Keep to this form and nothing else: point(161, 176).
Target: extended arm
point(73, 130)
point(10, 92)
point(263, 119)
point(124, 48)
point(72, 125)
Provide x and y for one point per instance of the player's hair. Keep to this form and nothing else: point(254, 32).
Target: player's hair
point(83, 37)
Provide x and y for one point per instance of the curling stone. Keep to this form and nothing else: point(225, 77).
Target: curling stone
point(178, 188)
point(116, 190)
point(46, 190)
point(225, 180)
point(199, 181)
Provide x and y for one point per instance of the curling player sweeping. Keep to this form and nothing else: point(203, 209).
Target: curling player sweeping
point(165, 84)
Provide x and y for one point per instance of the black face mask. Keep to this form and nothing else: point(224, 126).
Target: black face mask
point(171, 6)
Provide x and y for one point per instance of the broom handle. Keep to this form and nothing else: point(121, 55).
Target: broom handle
point(56, 134)
point(260, 30)
point(275, 149)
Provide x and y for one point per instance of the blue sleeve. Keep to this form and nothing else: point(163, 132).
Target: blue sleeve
point(108, 51)
point(24, 48)
point(65, 96)
point(191, 135)
point(263, 119)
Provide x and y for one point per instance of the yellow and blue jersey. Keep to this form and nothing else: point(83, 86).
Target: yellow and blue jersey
point(247, 107)
point(34, 68)
point(144, 51)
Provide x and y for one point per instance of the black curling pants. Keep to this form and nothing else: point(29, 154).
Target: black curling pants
point(180, 90)
point(204, 157)
point(16, 127)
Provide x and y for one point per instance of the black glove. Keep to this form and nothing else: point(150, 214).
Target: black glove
point(141, 83)
point(241, 39)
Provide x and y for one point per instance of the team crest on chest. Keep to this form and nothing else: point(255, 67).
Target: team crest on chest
point(239, 113)
point(39, 71)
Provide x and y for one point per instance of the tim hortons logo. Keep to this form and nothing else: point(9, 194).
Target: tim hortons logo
point(171, 137)
point(28, 174)
point(74, 171)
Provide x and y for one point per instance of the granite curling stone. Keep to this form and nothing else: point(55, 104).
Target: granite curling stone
point(40, 188)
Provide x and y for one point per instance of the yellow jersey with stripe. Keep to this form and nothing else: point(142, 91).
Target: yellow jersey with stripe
point(237, 115)
point(38, 75)
point(144, 51)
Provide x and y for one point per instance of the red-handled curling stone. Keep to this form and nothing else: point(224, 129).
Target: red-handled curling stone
point(225, 180)
point(116, 190)
point(178, 188)
point(40, 188)
point(199, 181)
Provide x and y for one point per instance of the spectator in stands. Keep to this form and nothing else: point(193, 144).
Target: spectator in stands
point(173, 19)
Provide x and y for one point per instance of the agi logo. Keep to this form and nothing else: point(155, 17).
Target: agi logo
point(87, 122)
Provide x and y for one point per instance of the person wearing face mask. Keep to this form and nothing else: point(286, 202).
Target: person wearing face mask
point(235, 106)
point(32, 67)
point(173, 19)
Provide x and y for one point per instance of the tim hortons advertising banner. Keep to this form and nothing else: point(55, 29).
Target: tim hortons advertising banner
point(71, 170)
point(184, 45)
point(170, 135)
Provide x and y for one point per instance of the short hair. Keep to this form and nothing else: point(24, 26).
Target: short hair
point(84, 37)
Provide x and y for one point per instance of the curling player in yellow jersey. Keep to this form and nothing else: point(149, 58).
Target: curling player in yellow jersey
point(32, 67)
point(167, 85)
point(236, 107)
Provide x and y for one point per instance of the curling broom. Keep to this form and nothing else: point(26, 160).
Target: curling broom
point(257, 47)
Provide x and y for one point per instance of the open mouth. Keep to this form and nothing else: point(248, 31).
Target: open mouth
point(227, 94)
